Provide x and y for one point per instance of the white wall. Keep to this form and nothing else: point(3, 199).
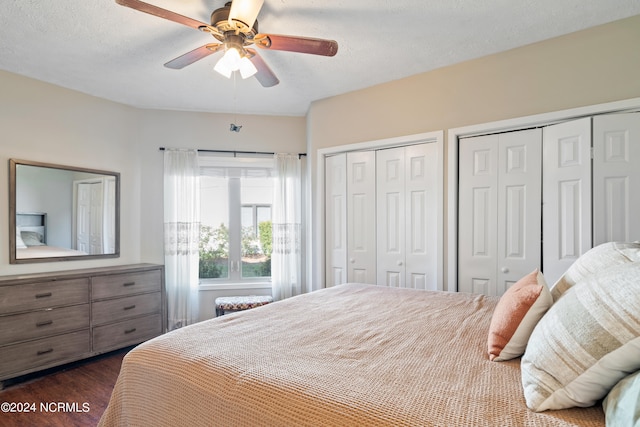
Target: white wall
point(47, 123)
point(204, 131)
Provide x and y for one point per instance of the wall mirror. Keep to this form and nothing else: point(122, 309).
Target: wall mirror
point(62, 213)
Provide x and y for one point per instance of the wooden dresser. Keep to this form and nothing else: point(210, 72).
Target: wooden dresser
point(48, 319)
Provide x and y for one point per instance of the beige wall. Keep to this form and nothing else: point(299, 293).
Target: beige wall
point(47, 123)
point(589, 67)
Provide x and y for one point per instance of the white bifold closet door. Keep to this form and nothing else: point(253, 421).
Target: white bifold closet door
point(616, 178)
point(361, 217)
point(381, 217)
point(567, 196)
point(350, 215)
point(499, 210)
point(335, 188)
point(591, 184)
point(407, 219)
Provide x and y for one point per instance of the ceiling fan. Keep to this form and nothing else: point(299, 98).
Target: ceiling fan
point(236, 28)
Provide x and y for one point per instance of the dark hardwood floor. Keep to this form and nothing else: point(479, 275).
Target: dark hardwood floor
point(75, 395)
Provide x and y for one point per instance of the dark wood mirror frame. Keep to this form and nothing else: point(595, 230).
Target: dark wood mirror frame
point(113, 179)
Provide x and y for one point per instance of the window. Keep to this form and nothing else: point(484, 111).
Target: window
point(235, 214)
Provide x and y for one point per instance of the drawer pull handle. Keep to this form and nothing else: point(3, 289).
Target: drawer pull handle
point(41, 352)
point(128, 331)
point(44, 295)
point(45, 323)
point(129, 284)
point(130, 307)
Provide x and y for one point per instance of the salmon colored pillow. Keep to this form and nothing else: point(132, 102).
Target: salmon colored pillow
point(515, 316)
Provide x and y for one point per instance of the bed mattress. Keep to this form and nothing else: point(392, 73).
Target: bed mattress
point(349, 355)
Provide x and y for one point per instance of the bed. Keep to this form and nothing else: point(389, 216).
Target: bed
point(31, 238)
point(366, 355)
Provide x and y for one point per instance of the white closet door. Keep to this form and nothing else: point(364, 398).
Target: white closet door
point(499, 210)
point(109, 215)
point(566, 212)
point(390, 200)
point(421, 224)
point(96, 218)
point(407, 252)
point(616, 178)
point(361, 217)
point(336, 219)
point(477, 218)
point(519, 207)
point(83, 218)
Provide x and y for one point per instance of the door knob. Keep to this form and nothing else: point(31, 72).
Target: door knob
point(352, 260)
point(399, 263)
point(504, 270)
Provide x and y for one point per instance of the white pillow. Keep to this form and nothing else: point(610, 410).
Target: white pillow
point(622, 404)
point(19, 243)
point(587, 341)
point(596, 259)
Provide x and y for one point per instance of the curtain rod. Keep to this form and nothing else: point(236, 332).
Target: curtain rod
point(236, 152)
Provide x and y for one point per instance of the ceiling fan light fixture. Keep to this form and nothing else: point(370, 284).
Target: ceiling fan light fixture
point(232, 61)
point(245, 11)
point(247, 69)
point(229, 63)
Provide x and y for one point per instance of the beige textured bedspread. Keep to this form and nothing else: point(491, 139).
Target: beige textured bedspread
point(350, 355)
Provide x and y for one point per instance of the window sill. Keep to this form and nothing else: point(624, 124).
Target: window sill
point(227, 286)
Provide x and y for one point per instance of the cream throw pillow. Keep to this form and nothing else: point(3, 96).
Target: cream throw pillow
point(622, 404)
point(515, 316)
point(594, 260)
point(586, 342)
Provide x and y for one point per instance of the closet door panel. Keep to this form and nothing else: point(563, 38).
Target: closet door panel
point(566, 212)
point(390, 196)
point(361, 217)
point(421, 245)
point(519, 208)
point(407, 216)
point(616, 178)
point(336, 219)
point(477, 218)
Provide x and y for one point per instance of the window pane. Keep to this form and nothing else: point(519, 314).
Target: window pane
point(214, 230)
point(256, 227)
point(247, 217)
point(263, 213)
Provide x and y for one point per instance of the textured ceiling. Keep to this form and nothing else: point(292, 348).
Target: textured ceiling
point(101, 48)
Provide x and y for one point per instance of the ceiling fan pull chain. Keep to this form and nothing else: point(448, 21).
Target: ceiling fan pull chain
point(233, 127)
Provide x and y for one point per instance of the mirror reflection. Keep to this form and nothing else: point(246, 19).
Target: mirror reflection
point(62, 213)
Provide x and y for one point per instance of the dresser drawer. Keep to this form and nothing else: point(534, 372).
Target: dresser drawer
point(33, 296)
point(117, 285)
point(125, 307)
point(42, 323)
point(17, 358)
point(127, 332)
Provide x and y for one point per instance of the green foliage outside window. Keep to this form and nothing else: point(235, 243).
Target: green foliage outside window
point(214, 251)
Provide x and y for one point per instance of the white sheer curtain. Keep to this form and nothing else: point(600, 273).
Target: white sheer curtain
point(181, 235)
point(286, 261)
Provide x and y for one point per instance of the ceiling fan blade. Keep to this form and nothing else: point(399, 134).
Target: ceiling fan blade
point(162, 13)
point(264, 75)
point(296, 44)
point(193, 56)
